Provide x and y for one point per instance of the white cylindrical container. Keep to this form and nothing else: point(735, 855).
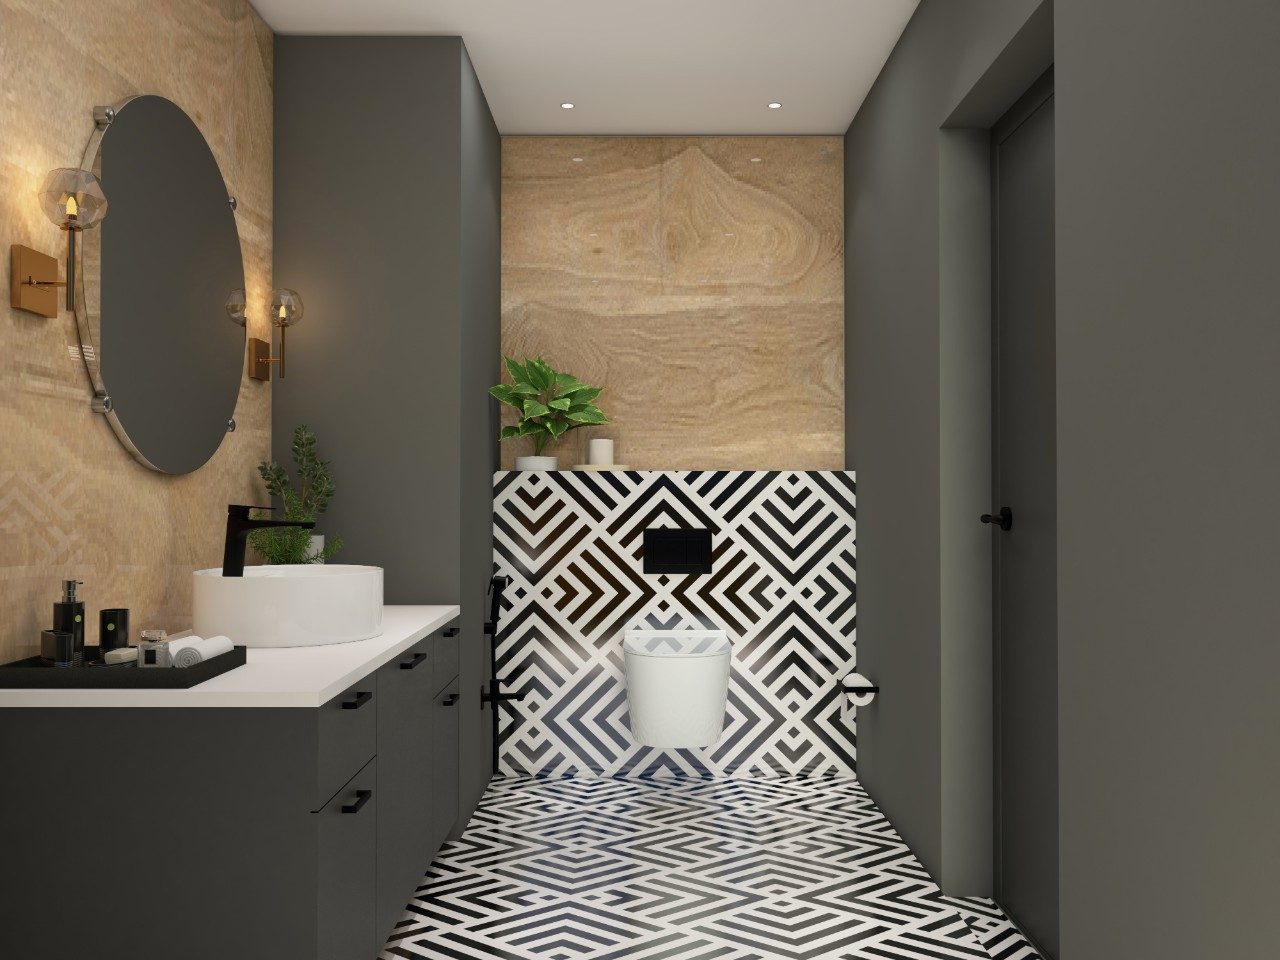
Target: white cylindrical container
point(677, 686)
point(600, 452)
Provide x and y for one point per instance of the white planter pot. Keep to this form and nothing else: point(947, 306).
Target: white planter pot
point(316, 545)
point(535, 463)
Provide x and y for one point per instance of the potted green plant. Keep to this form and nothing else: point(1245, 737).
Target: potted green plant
point(549, 404)
point(305, 502)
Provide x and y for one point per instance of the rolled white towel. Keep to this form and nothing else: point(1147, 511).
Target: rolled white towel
point(190, 651)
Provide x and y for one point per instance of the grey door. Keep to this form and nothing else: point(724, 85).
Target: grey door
point(1026, 650)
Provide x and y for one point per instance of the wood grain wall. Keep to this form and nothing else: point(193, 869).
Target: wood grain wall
point(700, 280)
point(73, 503)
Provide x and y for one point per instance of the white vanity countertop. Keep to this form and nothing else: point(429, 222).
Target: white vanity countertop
point(272, 677)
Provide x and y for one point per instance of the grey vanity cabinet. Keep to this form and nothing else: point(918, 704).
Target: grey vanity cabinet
point(272, 833)
point(406, 776)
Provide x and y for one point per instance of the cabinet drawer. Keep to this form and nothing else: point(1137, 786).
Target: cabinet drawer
point(348, 737)
point(446, 654)
point(347, 870)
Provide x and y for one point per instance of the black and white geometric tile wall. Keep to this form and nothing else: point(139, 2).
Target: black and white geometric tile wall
point(782, 587)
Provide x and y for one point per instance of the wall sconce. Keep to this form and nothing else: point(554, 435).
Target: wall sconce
point(286, 310)
point(74, 200)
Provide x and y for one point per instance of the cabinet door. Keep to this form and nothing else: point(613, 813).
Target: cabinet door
point(405, 760)
point(346, 834)
point(445, 782)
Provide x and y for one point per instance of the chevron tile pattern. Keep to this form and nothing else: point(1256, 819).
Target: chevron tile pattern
point(590, 868)
point(783, 586)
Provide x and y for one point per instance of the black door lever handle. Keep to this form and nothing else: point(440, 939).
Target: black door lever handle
point(1003, 519)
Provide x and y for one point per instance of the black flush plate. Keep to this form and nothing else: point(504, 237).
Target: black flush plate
point(680, 551)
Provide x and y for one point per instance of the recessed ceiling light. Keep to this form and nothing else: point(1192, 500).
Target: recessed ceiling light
point(566, 106)
point(755, 159)
point(775, 105)
point(577, 159)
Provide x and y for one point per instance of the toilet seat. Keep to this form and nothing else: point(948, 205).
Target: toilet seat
point(676, 643)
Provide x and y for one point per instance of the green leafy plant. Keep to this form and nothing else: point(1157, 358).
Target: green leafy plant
point(305, 502)
point(550, 404)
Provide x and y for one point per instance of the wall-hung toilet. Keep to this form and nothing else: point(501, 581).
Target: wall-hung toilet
point(677, 685)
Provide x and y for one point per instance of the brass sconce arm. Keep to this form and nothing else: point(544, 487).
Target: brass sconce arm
point(286, 310)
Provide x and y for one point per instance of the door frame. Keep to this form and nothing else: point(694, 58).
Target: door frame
point(1036, 96)
point(963, 867)
point(1040, 92)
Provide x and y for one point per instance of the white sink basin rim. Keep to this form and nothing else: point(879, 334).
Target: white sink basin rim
point(300, 605)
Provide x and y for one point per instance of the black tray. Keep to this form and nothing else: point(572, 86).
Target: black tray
point(33, 672)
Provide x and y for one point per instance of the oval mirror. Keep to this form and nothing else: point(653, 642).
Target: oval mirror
point(156, 275)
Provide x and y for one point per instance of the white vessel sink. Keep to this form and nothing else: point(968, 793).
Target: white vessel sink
point(303, 605)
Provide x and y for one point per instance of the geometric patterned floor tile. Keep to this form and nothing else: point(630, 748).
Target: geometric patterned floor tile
point(792, 868)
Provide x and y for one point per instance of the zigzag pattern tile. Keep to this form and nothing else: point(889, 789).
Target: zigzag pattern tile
point(792, 868)
point(783, 586)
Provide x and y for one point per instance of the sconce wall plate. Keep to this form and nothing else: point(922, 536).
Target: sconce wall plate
point(26, 264)
point(259, 359)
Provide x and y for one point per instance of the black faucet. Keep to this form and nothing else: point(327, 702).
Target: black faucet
point(239, 523)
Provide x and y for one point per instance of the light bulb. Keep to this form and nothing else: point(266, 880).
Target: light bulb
point(73, 208)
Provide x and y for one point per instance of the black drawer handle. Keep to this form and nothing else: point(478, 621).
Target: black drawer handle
point(453, 631)
point(362, 797)
point(358, 701)
point(410, 664)
point(451, 699)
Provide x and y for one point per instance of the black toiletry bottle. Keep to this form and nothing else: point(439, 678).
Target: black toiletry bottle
point(113, 629)
point(68, 616)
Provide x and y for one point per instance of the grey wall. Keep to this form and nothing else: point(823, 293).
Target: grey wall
point(1168, 138)
point(481, 309)
point(921, 750)
point(1168, 446)
point(387, 222)
point(367, 220)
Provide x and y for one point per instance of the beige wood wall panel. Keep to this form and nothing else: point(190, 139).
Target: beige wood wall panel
point(73, 503)
point(704, 291)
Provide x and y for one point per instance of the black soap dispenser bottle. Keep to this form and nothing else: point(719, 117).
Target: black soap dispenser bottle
point(68, 617)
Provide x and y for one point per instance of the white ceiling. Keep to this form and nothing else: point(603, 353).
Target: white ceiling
point(644, 66)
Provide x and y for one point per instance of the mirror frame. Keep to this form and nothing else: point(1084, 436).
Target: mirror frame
point(101, 402)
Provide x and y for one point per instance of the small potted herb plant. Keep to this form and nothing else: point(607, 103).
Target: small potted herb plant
point(306, 502)
point(549, 404)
